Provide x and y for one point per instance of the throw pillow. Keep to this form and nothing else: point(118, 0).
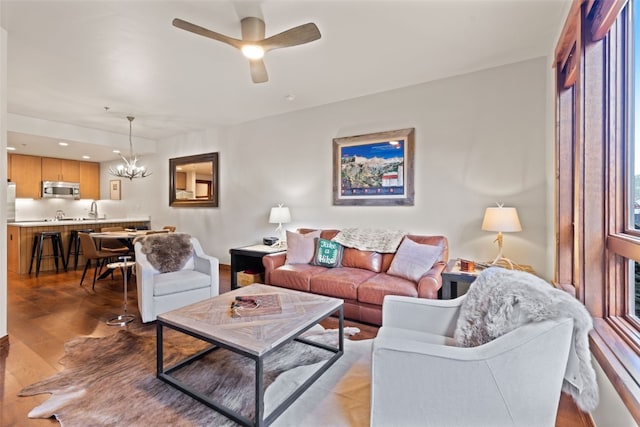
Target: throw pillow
point(413, 260)
point(327, 254)
point(300, 247)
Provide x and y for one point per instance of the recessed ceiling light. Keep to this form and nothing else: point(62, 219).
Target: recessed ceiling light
point(11, 148)
point(86, 157)
point(63, 144)
point(290, 97)
point(116, 151)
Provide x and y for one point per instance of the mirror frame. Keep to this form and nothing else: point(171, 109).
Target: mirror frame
point(198, 158)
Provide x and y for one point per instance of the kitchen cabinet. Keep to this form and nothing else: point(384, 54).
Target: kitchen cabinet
point(26, 173)
point(13, 249)
point(60, 170)
point(181, 181)
point(89, 180)
point(9, 167)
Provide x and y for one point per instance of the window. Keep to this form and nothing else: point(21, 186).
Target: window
point(598, 181)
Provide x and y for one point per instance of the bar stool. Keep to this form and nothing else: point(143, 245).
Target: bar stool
point(74, 247)
point(38, 244)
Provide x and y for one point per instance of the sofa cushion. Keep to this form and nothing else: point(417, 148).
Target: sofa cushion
point(413, 260)
point(373, 290)
point(356, 258)
point(295, 276)
point(300, 247)
point(179, 281)
point(339, 282)
point(327, 253)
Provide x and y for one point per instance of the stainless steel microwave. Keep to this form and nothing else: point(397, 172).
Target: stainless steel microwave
point(60, 190)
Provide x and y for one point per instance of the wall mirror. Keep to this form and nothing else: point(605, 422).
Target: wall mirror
point(193, 181)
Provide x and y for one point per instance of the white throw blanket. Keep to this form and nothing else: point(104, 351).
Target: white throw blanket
point(501, 300)
point(370, 239)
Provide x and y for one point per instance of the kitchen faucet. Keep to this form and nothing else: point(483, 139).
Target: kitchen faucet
point(93, 210)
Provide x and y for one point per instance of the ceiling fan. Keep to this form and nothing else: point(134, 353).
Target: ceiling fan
point(253, 44)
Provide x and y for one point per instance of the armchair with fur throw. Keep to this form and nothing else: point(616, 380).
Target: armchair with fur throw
point(172, 271)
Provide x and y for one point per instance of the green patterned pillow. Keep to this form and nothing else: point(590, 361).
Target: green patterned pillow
point(327, 253)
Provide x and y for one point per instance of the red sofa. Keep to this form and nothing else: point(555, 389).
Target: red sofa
point(362, 280)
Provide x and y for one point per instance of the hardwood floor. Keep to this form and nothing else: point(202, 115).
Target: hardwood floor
point(45, 312)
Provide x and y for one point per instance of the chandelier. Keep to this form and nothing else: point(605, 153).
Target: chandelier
point(129, 169)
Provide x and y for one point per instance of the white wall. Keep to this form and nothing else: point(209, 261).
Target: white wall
point(480, 139)
point(3, 178)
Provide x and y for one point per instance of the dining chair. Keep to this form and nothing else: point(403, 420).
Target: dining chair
point(116, 247)
point(91, 253)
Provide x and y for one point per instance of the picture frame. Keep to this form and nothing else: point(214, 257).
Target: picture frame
point(193, 181)
point(115, 192)
point(375, 169)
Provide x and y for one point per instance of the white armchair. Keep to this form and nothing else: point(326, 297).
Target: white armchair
point(420, 378)
point(161, 292)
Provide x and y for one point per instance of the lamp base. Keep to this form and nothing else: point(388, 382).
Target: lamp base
point(501, 261)
point(280, 244)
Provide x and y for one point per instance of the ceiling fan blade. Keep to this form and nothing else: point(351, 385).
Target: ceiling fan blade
point(295, 36)
point(258, 71)
point(201, 31)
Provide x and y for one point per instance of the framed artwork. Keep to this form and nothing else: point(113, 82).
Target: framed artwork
point(374, 169)
point(114, 189)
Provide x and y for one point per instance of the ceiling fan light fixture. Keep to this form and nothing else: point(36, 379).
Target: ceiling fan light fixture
point(252, 51)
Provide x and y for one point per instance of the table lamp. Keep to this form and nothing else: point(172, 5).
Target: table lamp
point(502, 220)
point(280, 215)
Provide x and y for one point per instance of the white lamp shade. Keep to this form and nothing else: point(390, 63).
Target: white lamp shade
point(501, 219)
point(280, 215)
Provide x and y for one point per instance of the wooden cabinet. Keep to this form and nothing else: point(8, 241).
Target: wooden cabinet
point(60, 170)
point(26, 173)
point(89, 180)
point(13, 249)
point(181, 181)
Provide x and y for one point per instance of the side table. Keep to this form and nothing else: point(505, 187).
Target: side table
point(451, 276)
point(249, 258)
point(125, 317)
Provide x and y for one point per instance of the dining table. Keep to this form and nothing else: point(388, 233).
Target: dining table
point(126, 237)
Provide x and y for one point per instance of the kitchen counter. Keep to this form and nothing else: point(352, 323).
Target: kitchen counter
point(73, 221)
point(20, 238)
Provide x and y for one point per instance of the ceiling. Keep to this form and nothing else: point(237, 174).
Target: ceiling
point(67, 60)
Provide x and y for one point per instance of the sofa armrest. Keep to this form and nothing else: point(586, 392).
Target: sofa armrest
point(425, 315)
point(270, 263)
point(144, 282)
point(206, 264)
point(431, 282)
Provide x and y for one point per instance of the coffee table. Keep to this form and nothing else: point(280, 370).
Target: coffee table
point(253, 337)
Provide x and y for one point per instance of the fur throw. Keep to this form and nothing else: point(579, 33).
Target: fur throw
point(167, 251)
point(501, 300)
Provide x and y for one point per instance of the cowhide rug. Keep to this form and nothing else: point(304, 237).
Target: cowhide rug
point(111, 381)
